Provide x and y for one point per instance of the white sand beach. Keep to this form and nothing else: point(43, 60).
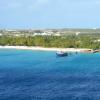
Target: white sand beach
point(44, 49)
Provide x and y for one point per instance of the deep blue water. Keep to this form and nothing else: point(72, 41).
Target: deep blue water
point(38, 75)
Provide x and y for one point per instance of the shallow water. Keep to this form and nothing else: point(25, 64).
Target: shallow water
point(38, 75)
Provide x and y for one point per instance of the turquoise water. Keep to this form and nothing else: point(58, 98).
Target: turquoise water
point(38, 75)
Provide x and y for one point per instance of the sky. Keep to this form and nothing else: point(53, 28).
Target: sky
point(16, 14)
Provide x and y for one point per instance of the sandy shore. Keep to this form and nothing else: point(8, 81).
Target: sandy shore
point(43, 49)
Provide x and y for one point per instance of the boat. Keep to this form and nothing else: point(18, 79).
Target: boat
point(96, 50)
point(61, 54)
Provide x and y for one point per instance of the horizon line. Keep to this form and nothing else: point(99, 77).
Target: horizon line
point(48, 28)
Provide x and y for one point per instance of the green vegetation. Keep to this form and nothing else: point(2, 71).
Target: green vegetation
point(71, 41)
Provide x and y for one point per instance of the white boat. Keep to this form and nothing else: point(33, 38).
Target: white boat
point(61, 53)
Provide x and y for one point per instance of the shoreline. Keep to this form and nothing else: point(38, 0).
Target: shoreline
point(45, 49)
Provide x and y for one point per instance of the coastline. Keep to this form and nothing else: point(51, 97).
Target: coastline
point(45, 49)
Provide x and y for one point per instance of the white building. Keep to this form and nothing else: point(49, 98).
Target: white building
point(77, 33)
point(0, 34)
point(97, 40)
point(57, 34)
point(42, 34)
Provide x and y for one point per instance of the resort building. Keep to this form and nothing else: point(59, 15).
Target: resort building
point(0, 34)
point(77, 33)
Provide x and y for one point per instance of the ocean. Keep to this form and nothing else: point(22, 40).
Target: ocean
point(39, 75)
